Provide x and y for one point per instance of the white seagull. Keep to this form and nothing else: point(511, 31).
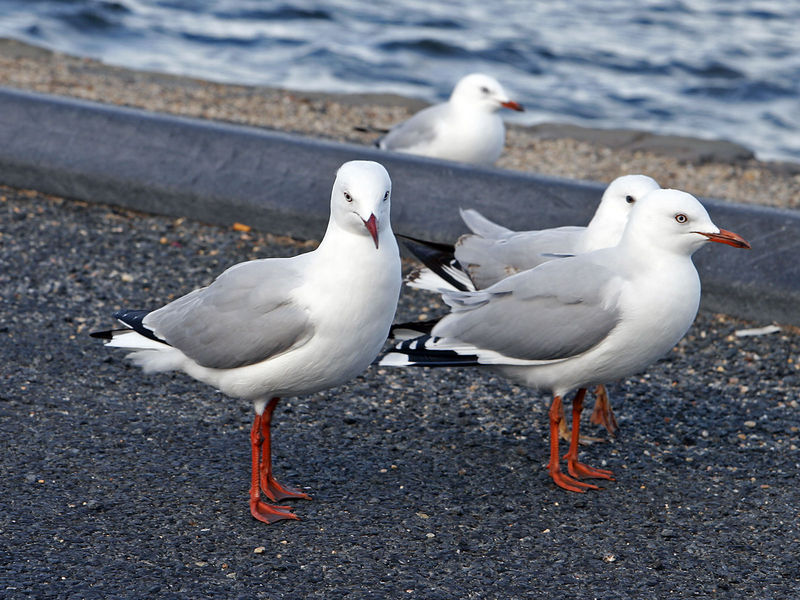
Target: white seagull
point(492, 253)
point(582, 320)
point(466, 128)
point(278, 327)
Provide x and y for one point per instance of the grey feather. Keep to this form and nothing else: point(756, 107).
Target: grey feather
point(245, 316)
point(417, 131)
point(556, 324)
point(489, 260)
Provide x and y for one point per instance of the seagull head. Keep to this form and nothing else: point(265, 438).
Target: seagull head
point(361, 199)
point(676, 221)
point(606, 227)
point(481, 91)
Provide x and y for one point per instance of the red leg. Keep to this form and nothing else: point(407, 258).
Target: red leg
point(260, 510)
point(602, 413)
point(271, 488)
point(560, 479)
point(563, 431)
point(575, 468)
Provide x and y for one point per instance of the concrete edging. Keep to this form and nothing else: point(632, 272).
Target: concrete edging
point(280, 183)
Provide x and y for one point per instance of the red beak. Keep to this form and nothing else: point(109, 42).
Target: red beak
point(513, 105)
point(727, 237)
point(372, 226)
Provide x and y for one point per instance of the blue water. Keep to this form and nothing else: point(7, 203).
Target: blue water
point(718, 69)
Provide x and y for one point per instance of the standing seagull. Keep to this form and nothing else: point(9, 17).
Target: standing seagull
point(284, 326)
point(492, 253)
point(582, 320)
point(466, 128)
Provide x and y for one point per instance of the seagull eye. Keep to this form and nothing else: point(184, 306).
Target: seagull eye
point(348, 197)
point(630, 199)
point(485, 90)
point(386, 196)
point(681, 218)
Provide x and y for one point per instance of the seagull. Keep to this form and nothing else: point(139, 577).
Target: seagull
point(582, 320)
point(277, 327)
point(493, 252)
point(466, 128)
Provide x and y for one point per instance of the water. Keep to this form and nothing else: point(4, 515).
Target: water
point(715, 69)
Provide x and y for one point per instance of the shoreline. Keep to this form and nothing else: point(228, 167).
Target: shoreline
point(704, 168)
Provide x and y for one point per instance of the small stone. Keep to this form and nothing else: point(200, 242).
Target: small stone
point(259, 550)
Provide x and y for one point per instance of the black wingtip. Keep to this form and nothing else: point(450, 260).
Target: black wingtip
point(134, 318)
point(425, 246)
point(102, 335)
point(420, 355)
point(438, 257)
point(420, 327)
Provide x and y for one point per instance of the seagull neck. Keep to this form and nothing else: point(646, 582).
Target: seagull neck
point(339, 239)
point(641, 249)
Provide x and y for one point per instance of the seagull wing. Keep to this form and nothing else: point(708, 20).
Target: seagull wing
point(558, 310)
point(245, 316)
point(416, 133)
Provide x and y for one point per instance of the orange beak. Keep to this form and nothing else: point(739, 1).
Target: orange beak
point(372, 226)
point(726, 237)
point(513, 105)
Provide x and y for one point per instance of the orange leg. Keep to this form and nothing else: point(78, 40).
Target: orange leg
point(602, 413)
point(271, 488)
point(260, 510)
point(575, 468)
point(559, 478)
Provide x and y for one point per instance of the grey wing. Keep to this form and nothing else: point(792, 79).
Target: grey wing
point(414, 133)
point(558, 310)
point(488, 260)
point(245, 316)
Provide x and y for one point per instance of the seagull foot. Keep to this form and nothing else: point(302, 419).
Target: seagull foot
point(271, 514)
point(568, 483)
point(602, 414)
point(578, 469)
point(276, 492)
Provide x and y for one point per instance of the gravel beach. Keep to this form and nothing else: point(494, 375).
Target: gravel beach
point(426, 484)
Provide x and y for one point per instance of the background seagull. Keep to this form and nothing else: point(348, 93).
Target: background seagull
point(591, 318)
point(284, 326)
point(466, 128)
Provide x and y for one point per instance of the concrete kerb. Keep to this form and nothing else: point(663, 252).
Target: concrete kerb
point(280, 183)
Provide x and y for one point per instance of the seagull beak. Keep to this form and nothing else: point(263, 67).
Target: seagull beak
point(372, 226)
point(512, 105)
point(727, 237)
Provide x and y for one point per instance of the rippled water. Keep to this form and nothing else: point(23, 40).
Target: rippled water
point(706, 68)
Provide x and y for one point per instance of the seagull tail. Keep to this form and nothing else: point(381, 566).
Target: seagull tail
point(149, 352)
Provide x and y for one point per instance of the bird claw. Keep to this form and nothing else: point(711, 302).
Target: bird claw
point(568, 483)
point(602, 414)
point(578, 469)
point(271, 514)
point(276, 492)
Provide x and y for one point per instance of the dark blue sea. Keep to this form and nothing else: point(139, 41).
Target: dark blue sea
point(707, 68)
